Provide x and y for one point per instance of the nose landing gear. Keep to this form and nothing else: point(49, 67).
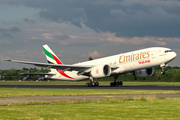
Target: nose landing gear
point(163, 67)
point(162, 71)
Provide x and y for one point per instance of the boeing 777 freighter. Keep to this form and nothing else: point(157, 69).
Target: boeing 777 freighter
point(140, 62)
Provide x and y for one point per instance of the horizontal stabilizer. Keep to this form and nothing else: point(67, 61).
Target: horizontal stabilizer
point(38, 73)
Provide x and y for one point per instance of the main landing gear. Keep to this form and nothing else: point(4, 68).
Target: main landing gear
point(92, 84)
point(116, 83)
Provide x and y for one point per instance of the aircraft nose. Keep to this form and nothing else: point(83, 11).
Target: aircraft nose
point(174, 54)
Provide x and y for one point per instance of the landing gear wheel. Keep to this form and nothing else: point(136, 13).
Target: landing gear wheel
point(111, 84)
point(117, 83)
point(96, 83)
point(114, 84)
point(91, 84)
point(88, 84)
point(162, 72)
point(120, 83)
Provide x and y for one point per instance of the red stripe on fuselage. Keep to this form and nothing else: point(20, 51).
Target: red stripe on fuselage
point(62, 73)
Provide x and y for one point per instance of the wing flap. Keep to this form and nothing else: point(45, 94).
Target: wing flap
point(38, 73)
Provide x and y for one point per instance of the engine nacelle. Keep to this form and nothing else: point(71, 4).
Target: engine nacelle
point(144, 73)
point(101, 71)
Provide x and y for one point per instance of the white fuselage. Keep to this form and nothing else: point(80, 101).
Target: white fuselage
point(125, 62)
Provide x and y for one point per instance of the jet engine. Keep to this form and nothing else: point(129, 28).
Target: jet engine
point(101, 71)
point(144, 73)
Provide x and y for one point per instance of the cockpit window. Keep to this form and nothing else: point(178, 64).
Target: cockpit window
point(168, 51)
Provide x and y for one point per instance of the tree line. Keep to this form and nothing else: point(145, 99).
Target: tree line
point(172, 75)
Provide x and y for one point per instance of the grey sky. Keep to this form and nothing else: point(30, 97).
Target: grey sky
point(76, 29)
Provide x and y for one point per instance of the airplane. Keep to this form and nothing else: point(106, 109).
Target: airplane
point(140, 62)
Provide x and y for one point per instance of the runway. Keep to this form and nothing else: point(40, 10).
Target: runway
point(101, 87)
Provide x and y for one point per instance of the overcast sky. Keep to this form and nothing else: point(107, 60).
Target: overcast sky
point(78, 29)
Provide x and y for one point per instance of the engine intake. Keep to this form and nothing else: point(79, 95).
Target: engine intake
point(101, 71)
point(144, 73)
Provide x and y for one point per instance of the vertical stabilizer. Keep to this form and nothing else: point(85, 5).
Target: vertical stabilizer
point(50, 56)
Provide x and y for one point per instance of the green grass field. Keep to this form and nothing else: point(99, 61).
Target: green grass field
point(128, 109)
point(7, 92)
point(84, 83)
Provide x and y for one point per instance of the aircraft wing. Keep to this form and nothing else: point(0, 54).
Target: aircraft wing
point(81, 68)
point(63, 67)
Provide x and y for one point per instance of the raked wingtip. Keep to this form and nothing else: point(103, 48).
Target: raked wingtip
point(6, 60)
